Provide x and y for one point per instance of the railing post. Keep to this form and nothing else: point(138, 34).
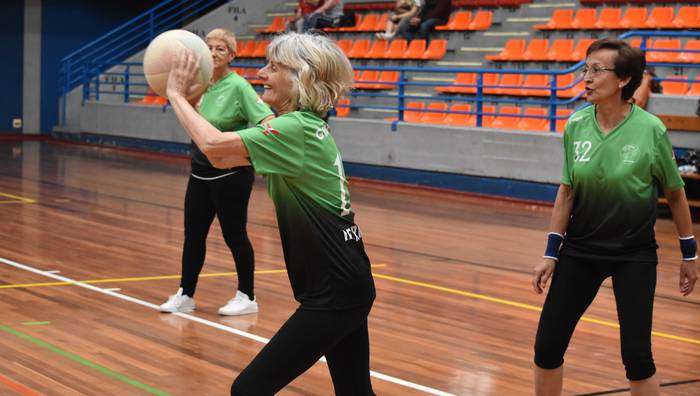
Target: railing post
point(97, 86)
point(151, 27)
point(479, 97)
point(66, 89)
point(126, 83)
point(402, 91)
point(86, 86)
point(553, 104)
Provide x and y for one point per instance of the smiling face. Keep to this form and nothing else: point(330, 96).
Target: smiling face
point(602, 84)
point(220, 54)
point(278, 87)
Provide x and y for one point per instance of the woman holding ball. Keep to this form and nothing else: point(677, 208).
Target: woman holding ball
point(229, 103)
point(323, 248)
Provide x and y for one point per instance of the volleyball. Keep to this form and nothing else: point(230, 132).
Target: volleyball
point(162, 53)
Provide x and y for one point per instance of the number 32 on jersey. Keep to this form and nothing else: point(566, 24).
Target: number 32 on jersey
point(582, 150)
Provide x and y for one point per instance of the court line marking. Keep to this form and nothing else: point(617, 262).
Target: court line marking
point(209, 323)
point(81, 360)
point(521, 305)
point(20, 388)
point(16, 198)
point(142, 278)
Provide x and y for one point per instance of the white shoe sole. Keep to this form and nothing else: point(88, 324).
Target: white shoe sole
point(246, 311)
point(168, 310)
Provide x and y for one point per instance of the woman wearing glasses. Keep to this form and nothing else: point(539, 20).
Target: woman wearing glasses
point(602, 225)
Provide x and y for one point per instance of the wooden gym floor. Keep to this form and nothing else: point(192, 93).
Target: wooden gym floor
point(455, 313)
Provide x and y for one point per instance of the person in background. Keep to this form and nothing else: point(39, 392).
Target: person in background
point(646, 88)
point(405, 10)
point(304, 9)
point(229, 103)
point(326, 15)
point(433, 13)
point(617, 160)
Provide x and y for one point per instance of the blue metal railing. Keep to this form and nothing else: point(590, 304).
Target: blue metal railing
point(124, 41)
point(131, 83)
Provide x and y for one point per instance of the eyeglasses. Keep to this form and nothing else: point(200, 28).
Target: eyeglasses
point(595, 70)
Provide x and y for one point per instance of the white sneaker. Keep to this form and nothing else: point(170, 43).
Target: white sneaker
point(239, 305)
point(178, 303)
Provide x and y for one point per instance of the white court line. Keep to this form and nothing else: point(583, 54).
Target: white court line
point(205, 322)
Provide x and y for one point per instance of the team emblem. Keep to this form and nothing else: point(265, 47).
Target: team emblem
point(629, 154)
point(269, 130)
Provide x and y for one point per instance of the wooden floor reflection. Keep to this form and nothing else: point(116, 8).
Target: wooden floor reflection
point(454, 311)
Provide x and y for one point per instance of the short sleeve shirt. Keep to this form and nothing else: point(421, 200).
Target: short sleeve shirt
point(229, 105)
point(323, 247)
point(616, 179)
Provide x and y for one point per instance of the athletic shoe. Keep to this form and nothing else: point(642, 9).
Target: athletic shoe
point(239, 305)
point(178, 302)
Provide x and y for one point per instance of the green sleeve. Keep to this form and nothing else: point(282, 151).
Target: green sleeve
point(276, 147)
point(665, 168)
point(253, 108)
point(565, 174)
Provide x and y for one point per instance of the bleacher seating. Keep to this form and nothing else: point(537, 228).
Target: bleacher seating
point(613, 18)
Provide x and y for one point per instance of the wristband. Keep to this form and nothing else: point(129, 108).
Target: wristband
point(554, 241)
point(689, 248)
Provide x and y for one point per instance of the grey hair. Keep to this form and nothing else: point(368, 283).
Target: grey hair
point(224, 35)
point(320, 71)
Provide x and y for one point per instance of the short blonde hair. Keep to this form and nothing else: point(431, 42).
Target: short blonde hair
point(320, 71)
point(224, 35)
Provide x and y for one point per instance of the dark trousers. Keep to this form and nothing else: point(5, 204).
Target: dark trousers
point(422, 31)
point(575, 284)
point(340, 336)
point(226, 198)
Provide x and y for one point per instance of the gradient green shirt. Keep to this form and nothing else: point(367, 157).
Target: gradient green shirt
point(616, 179)
point(322, 245)
point(230, 105)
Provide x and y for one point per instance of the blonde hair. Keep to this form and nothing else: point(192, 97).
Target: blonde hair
point(224, 35)
point(320, 71)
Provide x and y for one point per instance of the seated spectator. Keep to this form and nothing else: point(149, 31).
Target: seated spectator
point(434, 13)
point(327, 15)
point(405, 10)
point(305, 8)
point(646, 88)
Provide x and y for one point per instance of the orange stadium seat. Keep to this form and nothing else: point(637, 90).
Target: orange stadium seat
point(160, 101)
point(415, 50)
point(245, 49)
point(460, 119)
point(488, 119)
point(368, 23)
point(533, 124)
point(535, 80)
point(634, 18)
point(459, 20)
point(415, 114)
point(277, 25)
point(389, 77)
point(482, 20)
point(378, 49)
point(434, 117)
point(359, 49)
point(148, 99)
point(562, 123)
point(513, 50)
point(367, 80)
point(580, 50)
point(506, 119)
point(678, 87)
point(561, 19)
point(690, 57)
point(490, 83)
point(514, 81)
point(536, 50)
point(436, 50)
point(667, 44)
point(560, 50)
point(342, 109)
point(353, 28)
point(660, 18)
point(566, 80)
point(584, 19)
point(345, 45)
point(461, 79)
point(260, 48)
point(688, 17)
point(396, 49)
point(609, 18)
point(694, 88)
point(381, 25)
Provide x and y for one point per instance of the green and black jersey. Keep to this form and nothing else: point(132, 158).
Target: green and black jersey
point(229, 105)
point(322, 245)
point(616, 179)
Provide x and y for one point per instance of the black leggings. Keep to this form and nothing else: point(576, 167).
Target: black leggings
point(306, 336)
point(574, 286)
point(226, 198)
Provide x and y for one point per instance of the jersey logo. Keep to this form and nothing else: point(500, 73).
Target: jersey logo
point(352, 234)
point(322, 132)
point(629, 154)
point(269, 129)
point(220, 100)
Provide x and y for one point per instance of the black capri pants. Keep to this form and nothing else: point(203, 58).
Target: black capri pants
point(340, 336)
point(575, 284)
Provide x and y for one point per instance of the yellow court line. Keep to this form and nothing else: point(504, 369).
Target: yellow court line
point(521, 305)
point(16, 197)
point(143, 278)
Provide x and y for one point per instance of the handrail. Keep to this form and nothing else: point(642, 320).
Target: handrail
point(124, 41)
